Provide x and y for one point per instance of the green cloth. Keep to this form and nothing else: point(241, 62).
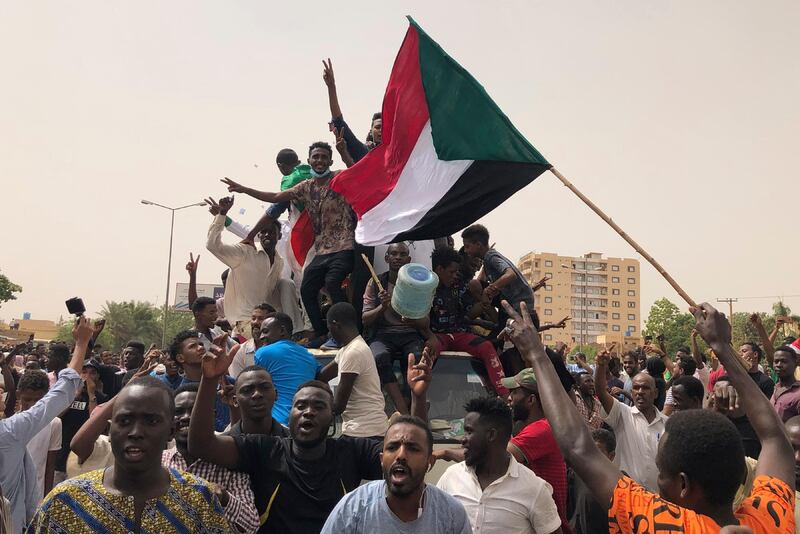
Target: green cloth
point(299, 174)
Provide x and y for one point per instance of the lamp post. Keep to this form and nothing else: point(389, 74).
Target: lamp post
point(169, 260)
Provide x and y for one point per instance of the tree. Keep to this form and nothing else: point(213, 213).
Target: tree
point(7, 289)
point(665, 318)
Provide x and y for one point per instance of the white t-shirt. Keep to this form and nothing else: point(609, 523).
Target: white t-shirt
point(519, 501)
point(101, 457)
point(48, 439)
point(364, 415)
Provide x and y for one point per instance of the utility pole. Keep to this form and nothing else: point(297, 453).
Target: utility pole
point(730, 302)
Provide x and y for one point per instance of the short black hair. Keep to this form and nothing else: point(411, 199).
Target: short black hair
point(493, 410)
point(148, 381)
point(320, 144)
point(34, 380)
point(177, 341)
point(693, 387)
point(688, 365)
point(137, 346)
point(416, 421)
point(443, 257)
point(787, 348)
point(606, 437)
point(343, 313)
point(265, 307)
point(200, 303)
point(316, 384)
point(251, 368)
point(476, 232)
point(655, 366)
point(754, 346)
point(705, 446)
point(287, 156)
point(59, 351)
point(377, 115)
point(684, 349)
point(283, 320)
point(223, 276)
point(191, 387)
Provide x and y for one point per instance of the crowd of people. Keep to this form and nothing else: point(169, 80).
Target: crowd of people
point(237, 426)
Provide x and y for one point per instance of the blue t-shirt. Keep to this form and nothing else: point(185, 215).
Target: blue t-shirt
point(364, 510)
point(290, 365)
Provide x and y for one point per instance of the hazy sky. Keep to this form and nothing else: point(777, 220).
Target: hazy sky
point(680, 119)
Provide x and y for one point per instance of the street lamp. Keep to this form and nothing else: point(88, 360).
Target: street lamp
point(169, 260)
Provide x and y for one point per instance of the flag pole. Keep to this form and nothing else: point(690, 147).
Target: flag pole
point(625, 236)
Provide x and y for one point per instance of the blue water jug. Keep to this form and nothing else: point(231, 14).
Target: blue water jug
point(412, 296)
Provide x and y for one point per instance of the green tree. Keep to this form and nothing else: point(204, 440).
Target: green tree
point(665, 318)
point(7, 289)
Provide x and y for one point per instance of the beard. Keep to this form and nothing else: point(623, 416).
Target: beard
point(519, 412)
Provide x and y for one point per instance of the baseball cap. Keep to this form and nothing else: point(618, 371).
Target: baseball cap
point(523, 379)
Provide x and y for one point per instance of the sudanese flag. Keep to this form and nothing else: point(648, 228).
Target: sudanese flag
point(448, 155)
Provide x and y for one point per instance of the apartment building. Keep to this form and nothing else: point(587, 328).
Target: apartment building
point(602, 295)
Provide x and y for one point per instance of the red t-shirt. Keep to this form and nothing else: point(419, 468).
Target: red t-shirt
point(713, 376)
point(538, 444)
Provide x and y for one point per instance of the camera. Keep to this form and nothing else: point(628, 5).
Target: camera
point(75, 306)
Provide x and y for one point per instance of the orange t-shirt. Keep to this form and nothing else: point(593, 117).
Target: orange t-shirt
point(768, 510)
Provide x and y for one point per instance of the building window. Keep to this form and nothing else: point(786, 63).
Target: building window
point(615, 291)
point(631, 304)
point(615, 304)
point(631, 329)
point(631, 317)
point(548, 311)
point(631, 280)
point(631, 292)
point(548, 263)
point(548, 300)
point(615, 316)
point(615, 279)
point(631, 269)
point(549, 274)
point(548, 288)
point(615, 267)
point(536, 264)
point(615, 328)
point(548, 337)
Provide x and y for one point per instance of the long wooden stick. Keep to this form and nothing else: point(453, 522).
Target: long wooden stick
point(626, 237)
point(372, 272)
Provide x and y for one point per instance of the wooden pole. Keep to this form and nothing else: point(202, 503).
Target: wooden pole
point(626, 237)
point(372, 272)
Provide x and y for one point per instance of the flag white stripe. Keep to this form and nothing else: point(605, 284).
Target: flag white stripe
point(423, 182)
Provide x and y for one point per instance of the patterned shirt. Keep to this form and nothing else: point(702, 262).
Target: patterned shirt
point(331, 216)
point(83, 505)
point(241, 508)
point(592, 417)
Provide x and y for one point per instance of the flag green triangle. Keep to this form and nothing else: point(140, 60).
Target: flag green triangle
point(465, 122)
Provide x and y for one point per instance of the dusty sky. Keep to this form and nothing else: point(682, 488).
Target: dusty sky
point(680, 119)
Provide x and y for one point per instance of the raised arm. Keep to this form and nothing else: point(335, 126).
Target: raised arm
point(697, 356)
point(10, 387)
point(83, 441)
point(341, 147)
point(569, 428)
point(601, 381)
point(777, 456)
point(191, 268)
point(330, 82)
point(264, 196)
point(766, 342)
point(203, 442)
point(418, 377)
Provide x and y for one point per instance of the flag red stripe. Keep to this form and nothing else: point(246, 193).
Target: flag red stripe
point(405, 112)
point(302, 238)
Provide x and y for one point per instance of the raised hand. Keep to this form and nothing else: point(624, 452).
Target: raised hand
point(98, 327)
point(712, 325)
point(602, 358)
point(216, 362)
point(563, 322)
point(341, 144)
point(418, 375)
point(220, 207)
point(519, 329)
point(220, 340)
point(226, 392)
point(82, 331)
point(191, 267)
point(233, 187)
point(755, 318)
point(327, 73)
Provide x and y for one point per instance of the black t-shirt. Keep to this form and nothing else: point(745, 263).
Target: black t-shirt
point(765, 383)
point(277, 430)
point(71, 420)
point(518, 290)
point(296, 496)
point(450, 305)
point(586, 515)
point(750, 441)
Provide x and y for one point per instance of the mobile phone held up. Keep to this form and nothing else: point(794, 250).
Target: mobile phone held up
point(75, 306)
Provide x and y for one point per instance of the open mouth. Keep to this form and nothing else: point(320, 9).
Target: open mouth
point(134, 454)
point(307, 426)
point(399, 474)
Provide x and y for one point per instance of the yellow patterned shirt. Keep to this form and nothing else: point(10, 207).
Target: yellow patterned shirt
point(83, 505)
